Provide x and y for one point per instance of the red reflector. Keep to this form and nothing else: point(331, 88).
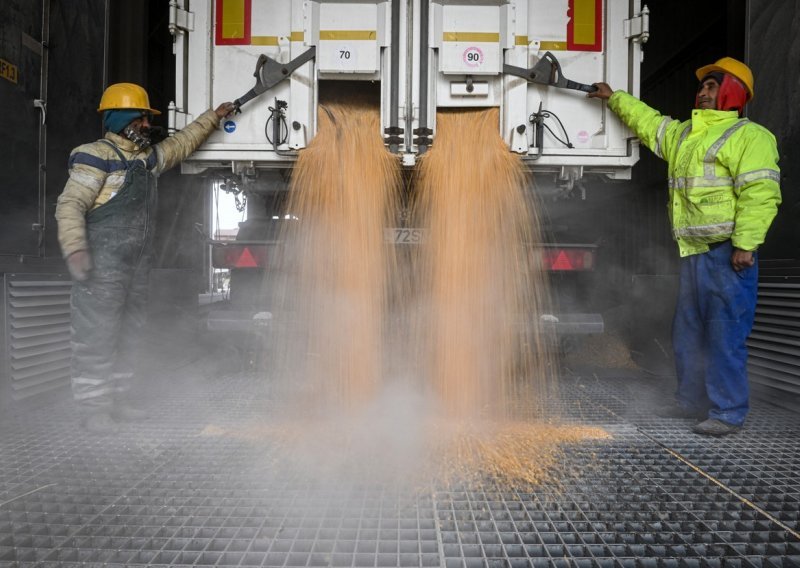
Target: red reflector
point(561, 262)
point(239, 256)
point(246, 259)
point(561, 259)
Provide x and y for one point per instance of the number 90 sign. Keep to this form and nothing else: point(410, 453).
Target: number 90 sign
point(473, 57)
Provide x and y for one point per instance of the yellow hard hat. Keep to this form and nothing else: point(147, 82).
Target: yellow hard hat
point(125, 96)
point(732, 67)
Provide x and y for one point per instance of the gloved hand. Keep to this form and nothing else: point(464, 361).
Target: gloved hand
point(224, 110)
point(79, 264)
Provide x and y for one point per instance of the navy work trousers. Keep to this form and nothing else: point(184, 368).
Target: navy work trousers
point(714, 316)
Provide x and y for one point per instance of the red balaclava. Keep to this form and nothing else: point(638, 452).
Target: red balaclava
point(732, 94)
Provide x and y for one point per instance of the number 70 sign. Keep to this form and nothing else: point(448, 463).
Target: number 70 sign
point(348, 56)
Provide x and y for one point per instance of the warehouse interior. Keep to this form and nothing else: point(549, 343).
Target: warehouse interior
point(209, 480)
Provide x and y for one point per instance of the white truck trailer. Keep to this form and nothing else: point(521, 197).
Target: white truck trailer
point(425, 55)
point(527, 57)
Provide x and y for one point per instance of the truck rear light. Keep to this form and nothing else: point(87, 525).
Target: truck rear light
point(567, 258)
point(239, 256)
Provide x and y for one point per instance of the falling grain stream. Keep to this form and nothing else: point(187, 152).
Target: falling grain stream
point(482, 289)
point(344, 194)
point(425, 359)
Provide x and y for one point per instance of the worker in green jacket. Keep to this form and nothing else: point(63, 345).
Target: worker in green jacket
point(724, 193)
point(106, 221)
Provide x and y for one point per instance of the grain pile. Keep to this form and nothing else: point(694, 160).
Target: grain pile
point(606, 351)
point(510, 455)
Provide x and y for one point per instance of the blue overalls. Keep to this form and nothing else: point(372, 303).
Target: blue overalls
point(108, 309)
point(713, 318)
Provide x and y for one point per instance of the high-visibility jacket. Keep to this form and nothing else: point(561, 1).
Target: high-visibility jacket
point(96, 174)
point(724, 181)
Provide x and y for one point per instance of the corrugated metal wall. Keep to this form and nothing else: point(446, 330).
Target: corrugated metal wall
point(37, 332)
point(774, 344)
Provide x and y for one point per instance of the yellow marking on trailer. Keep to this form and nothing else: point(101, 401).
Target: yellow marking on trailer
point(233, 19)
point(479, 37)
point(264, 40)
point(9, 71)
point(521, 40)
point(584, 22)
point(356, 35)
point(553, 46)
point(297, 36)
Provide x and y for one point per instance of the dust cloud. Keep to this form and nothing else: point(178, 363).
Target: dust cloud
point(417, 364)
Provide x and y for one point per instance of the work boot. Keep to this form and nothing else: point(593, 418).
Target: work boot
point(714, 427)
point(674, 410)
point(122, 412)
point(99, 423)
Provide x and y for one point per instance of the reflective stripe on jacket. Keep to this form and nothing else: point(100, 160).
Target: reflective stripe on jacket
point(724, 181)
point(96, 173)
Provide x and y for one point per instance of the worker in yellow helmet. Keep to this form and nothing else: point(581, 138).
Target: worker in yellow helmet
point(106, 216)
point(724, 193)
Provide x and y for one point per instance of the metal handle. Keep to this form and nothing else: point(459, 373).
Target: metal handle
point(42, 106)
point(269, 73)
point(581, 86)
point(248, 96)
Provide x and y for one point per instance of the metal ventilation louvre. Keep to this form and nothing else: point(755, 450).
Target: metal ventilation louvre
point(37, 332)
point(774, 344)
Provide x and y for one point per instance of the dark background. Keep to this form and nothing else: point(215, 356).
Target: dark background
point(684, 35)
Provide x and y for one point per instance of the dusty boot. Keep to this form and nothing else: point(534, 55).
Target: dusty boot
point(99, 422)
point(123, 412)
point(714, 427)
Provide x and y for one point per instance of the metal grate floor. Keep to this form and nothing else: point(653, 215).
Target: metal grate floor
point(162, 494)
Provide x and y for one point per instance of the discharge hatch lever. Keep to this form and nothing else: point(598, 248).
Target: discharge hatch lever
point(270, 72)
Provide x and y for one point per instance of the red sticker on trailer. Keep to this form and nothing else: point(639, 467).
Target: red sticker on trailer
point(232, 21)
point(585, 27)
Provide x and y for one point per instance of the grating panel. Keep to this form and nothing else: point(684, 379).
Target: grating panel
point(165, 493)
point(37, 332)
point(774, 345)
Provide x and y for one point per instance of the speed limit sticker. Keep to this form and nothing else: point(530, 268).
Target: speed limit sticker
point(473, 57)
